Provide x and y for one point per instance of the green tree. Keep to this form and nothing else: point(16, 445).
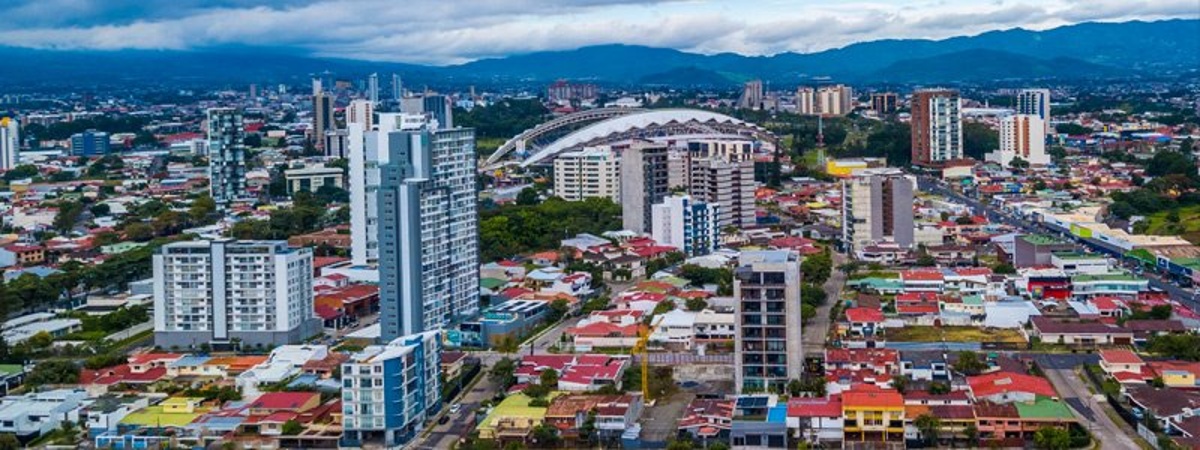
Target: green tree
point(696, 304)
point(929, 427)
point(817, 268)
point(202, 209)
point(8, 441)
point(1004, 269)
point(558, 310)
point(67, 216)
point(292, 428)
point(545, 436)
point(979, 139)
point(527, 197)
point(664, 307)
point(548, 379)
point(139, 232)
point(502, 372)
point(811, 294)
point(21, 172)
point(1051, 438)
point(968, 363)
point(1167, 162)
point(53, 372)
point(807, 312)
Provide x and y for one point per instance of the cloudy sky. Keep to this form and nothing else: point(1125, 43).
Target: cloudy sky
point(456, 31)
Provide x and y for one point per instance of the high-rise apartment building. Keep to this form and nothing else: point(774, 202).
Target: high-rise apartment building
point(322, 118)
point(226, 156)
point(397, 88)
point(89, 143)
point(722, 173)
point(361, 112)
point(225, 291)
point(562, 90)
point(10, 143)
point(373, 89)
point(686, 224)
point(877, 206)
point(767, 335)
point(435, 107)
point(368, 151)
point(937, 134)
point(752, 95)
point(643, 183)
point(428, 231)
point(806, 101)
point(1035, 102)
point(1021, 136)
point(836, 100)
point(388, 391)
point(594, 172)
point(884, 103)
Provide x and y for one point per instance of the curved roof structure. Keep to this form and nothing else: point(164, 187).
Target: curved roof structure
point(649, 124)
point(545, 128)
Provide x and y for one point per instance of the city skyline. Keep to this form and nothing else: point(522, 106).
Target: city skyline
point(441, 34)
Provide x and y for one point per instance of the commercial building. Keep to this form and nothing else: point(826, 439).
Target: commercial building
point(767, 340)
point(722, 173)
point(10, 143)
point(877, 206)
point(322, 117)
point(388, 391)
point(312, 179)
point(89, 143)
point(218, 292)
point(885, 102)
point(1021, 136)
point(1035, 102)
point(594, 172)
point(936, 127)
point(368, 151)
point(643, 183)
point(686, 224)
point(428, 231)
point(226, 156)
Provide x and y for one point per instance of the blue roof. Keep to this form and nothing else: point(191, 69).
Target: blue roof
point(777, 414)
point(190, 361)
point(307, 379)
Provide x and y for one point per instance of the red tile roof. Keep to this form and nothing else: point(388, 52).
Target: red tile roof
point(921, 275)
point(1120, 356)
point(283, 401)
point(868, 315)
point(869, 396)
point(1004, 382)
point(815, 407)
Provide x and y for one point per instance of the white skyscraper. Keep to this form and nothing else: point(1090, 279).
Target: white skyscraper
point(877, 206)
point(1021, 136)
point(397, 88)
point(373, 89)
point(257, 292)
point(428, 231)
point(226, 154)
point(10, 143)
point(686, 224)
point(367, 152)
point(1035, 102)
point(594, 172)
point(361, 112)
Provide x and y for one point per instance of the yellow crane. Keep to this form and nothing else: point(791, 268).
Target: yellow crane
point(642, 348)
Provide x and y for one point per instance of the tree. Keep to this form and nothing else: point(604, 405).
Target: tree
point(900, 382)
point(292, 428)
point(817, 268)
point(968, 363)
point(202, 209)
point(21, 172)
point(929, 426)
point(100, 209)
point(1167, 162)
point(680, 444)
point(502, 372)
point(548, 379)
point(67, 216)
point(696, 304)
point(53, 372)
point(558, 310)
point(8, 441)
point(139, 232)
point(1072, 129)
point(807, 312)
point(812, 295)
point(850, 268)
point(527, 197)
point(1004, 269)
point(663, 307)
point(545, 436)
point(979, 139)
point(971, 432)
point(1051, 438)
point(1018, 164)
point(938, 388)
point(926, 260)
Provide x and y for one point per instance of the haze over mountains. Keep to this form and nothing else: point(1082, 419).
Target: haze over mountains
point(1083, 51)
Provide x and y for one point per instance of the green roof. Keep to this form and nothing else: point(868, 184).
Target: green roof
point(153, 416)
point(492, 283)
point(1191, 263)
point(877, 283)
point(1041, 239)
point(1079, 255)
point(972, 300)
point(11, 369)
point(1111, 276)
point(1044, 408)
point(675, 281)
point(515, 405)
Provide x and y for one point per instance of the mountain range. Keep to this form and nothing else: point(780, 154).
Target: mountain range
point(1082, 51)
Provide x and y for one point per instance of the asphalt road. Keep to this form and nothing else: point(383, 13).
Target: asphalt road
point(1091, 408)
point(460, 424)
point(816, 331)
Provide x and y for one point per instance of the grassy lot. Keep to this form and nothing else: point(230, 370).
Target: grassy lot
point(1187, 227)
point(953, 334)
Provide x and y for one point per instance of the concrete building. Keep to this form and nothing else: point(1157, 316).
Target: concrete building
point(936, 127)
point(10, 143)
point(311, 179)
point(722, 173)
point(337, 143)
point(686, 224)
point(767, 340)
point(361, 112)
point(322, 117)
point(884, 103)
point(752, 95)
point(594, 172)
point(428, 231)
point(435, 107)
point(806, 101)
point(1031, 250)
point(89, 143)
point(877, 206)
point(226, 156)
point(836, 100)
point(30, 415)
point(254, 292)
point(1021, 136)
point(373, 89)
point(643, 183)
point(1035, 102)
point(368, 152)
point(388, 391)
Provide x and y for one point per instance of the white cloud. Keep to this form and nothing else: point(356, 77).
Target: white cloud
point(448, 31)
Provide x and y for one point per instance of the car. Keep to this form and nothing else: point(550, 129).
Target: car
point(442, 420)
point(455, 408)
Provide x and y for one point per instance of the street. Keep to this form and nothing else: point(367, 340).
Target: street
point(460, 424)
point(817, 330)
point(1089, 408)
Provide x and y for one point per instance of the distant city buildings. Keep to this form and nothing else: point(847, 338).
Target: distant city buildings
point(752, 95)
point(312, 179)
point(361, 112)
point(322, 117)
point(428, 230)
point(435, 107)
point(837, 100)
point(686, 224)
point(1021, 136)
point(226, 156)
point(1035, 102)
point(877, 206)
point(594, 172)
point(225, 291)
point(562, 90)
point(10, 143)
point(643, 183)
point(373, 89)
point(768, 335)
point(884, 103)
point(89, 143)
point(389, 391)
point(937, 134)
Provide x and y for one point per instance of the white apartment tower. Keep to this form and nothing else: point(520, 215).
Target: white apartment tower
point(836, 100)
point(226, 156)
point(1035, 102)
point(1021, 136)
point(686, 224)
point(388, 391)
point(768, 334)
point(594, 172)
point(10, 143)
point(373, 89)
point(877, 206)
point(361, 112)
point(368, 150)
point(722, 173)
point(219, 292)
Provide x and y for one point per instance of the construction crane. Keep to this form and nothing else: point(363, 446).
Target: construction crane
point(642, 348)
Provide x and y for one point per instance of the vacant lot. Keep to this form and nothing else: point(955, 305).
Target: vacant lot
point(1185, 225)
point(953, 334)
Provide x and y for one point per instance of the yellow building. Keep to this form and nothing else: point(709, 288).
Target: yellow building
point(873, 414)
point(845, 168)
